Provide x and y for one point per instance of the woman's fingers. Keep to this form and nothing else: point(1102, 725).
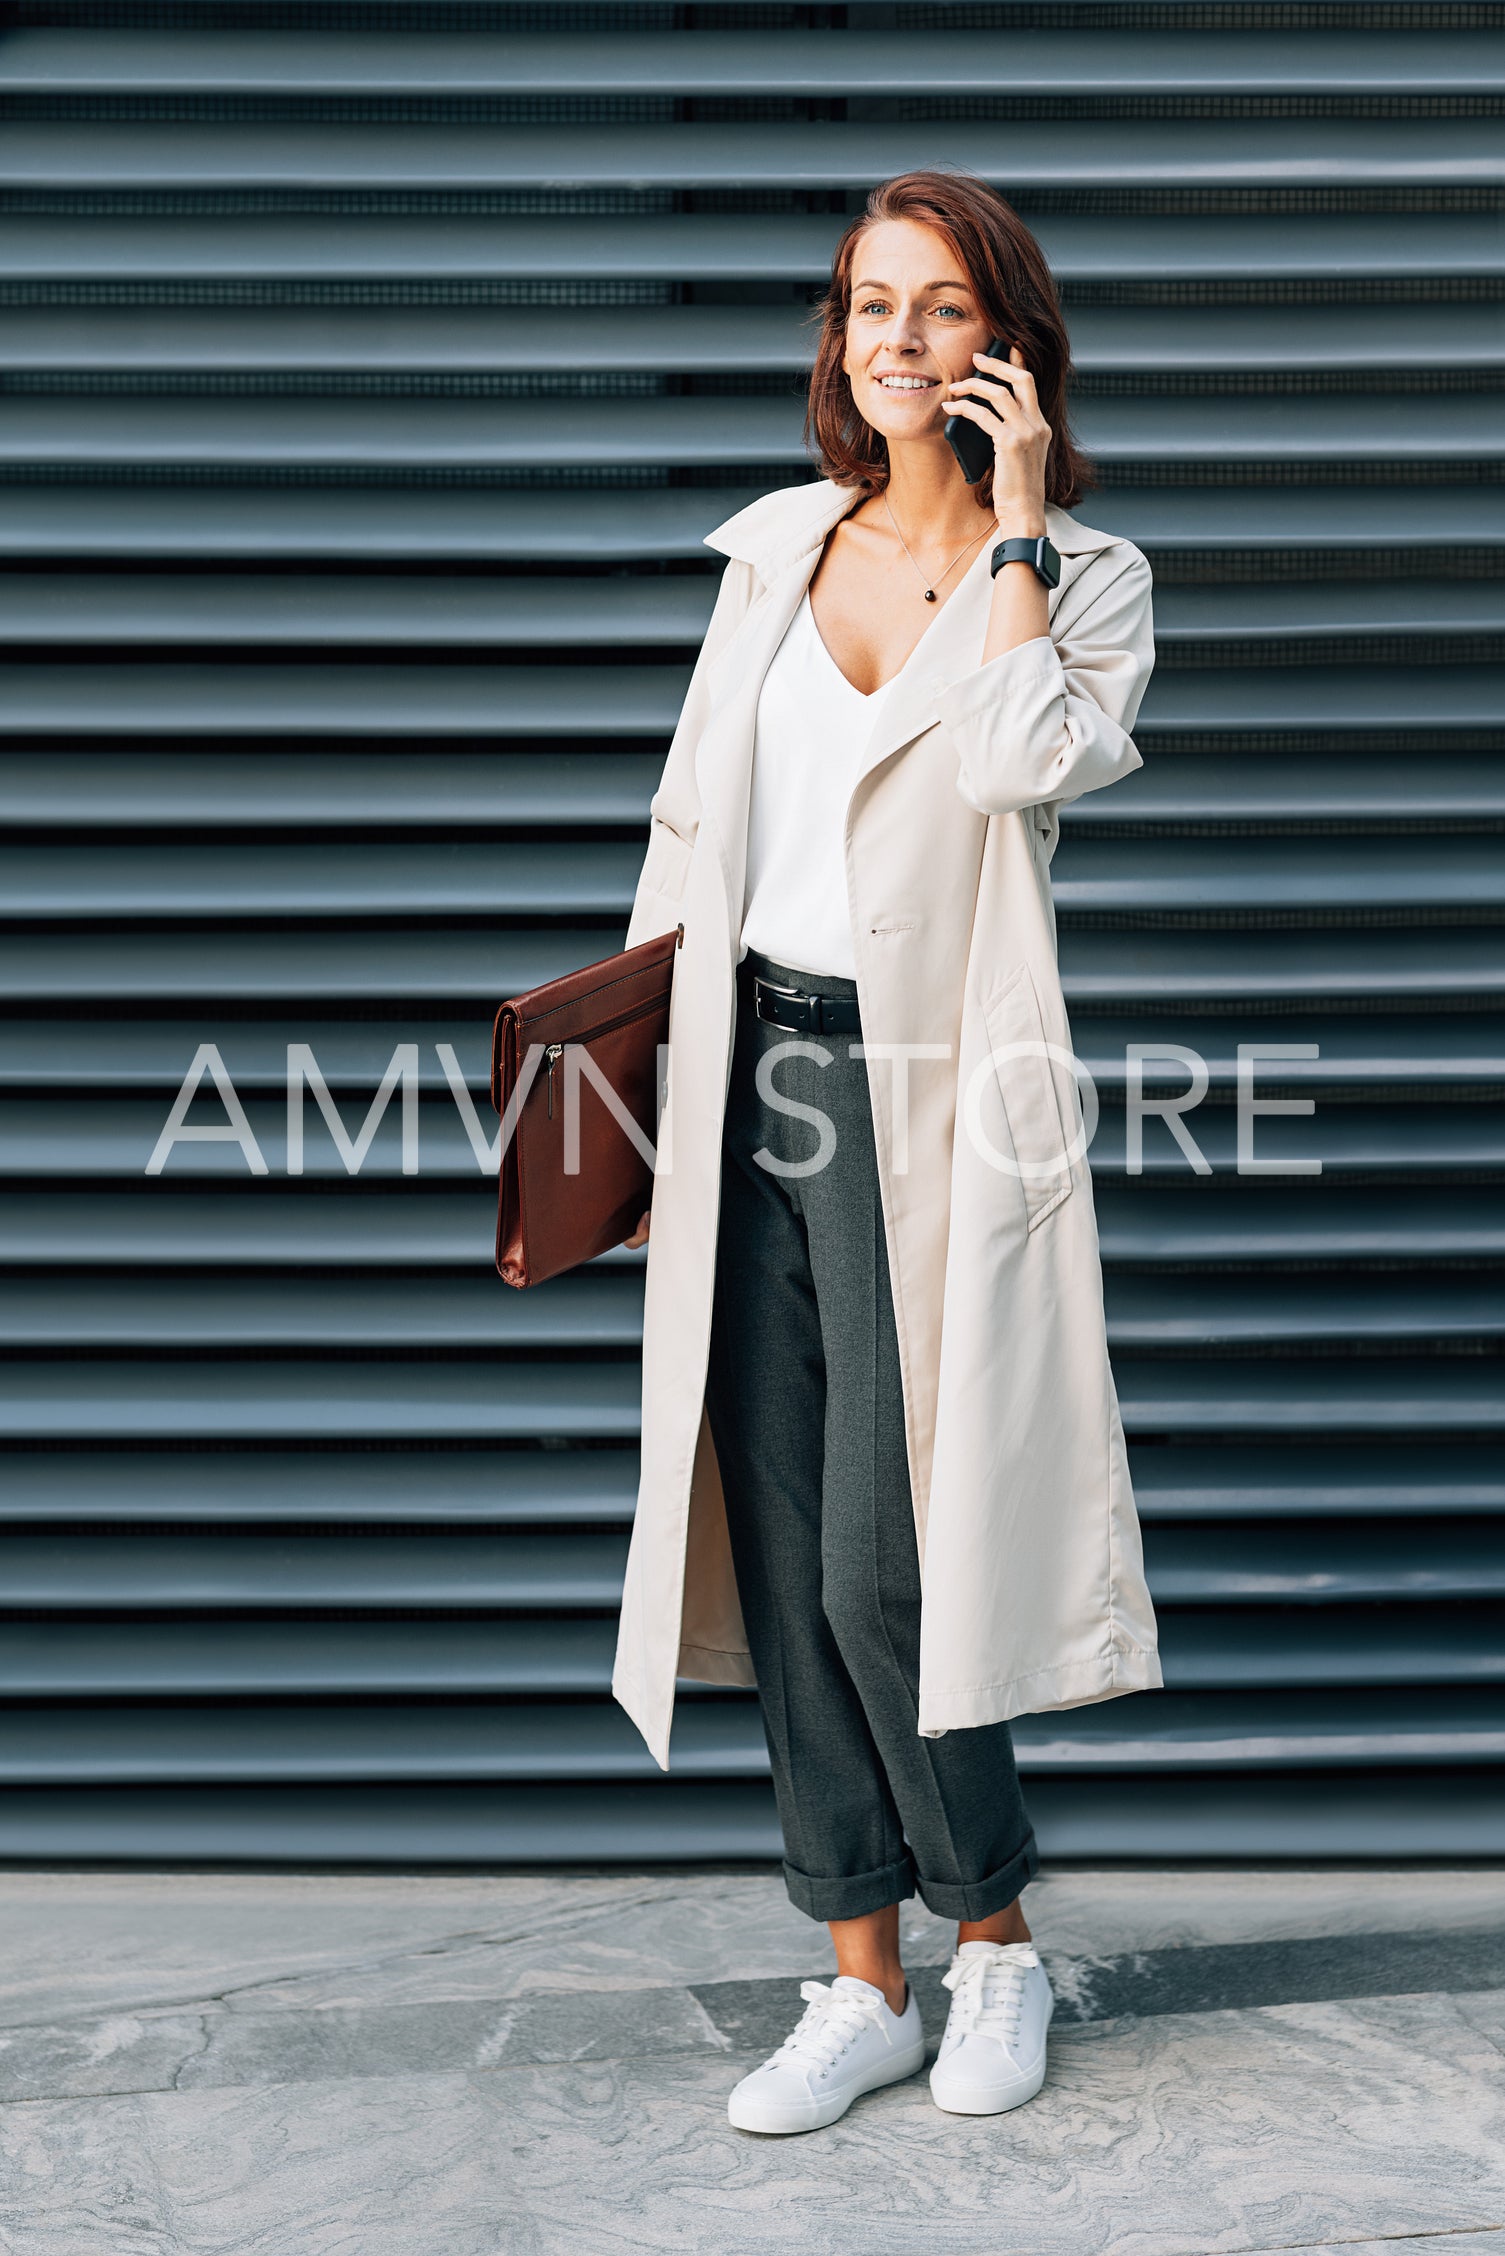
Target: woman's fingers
point(984, 385)
point(1004, 405)
point(1008, 384)
point(640, 1234)
point(980, 406)
point(1013, 366)
point(1003, 430)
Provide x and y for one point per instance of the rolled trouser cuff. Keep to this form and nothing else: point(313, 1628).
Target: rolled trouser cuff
point(980, 1899)
point(850, 1895)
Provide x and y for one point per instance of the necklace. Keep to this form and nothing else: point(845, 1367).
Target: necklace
point(930, 596)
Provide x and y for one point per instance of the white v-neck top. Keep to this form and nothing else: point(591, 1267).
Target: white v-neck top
point(812, 729)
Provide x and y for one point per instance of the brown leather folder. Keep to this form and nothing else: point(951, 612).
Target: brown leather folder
point(616, 1013)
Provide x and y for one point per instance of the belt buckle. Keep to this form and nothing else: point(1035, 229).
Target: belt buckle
point(762, 987)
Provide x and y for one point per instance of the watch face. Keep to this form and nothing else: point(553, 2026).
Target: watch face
point(1050, 563)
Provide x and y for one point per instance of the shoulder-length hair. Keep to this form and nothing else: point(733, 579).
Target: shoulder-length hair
point(1015, 293)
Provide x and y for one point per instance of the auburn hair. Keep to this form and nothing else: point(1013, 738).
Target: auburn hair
point(1015, 294)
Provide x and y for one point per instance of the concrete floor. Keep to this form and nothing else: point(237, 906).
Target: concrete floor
point(443, 2066)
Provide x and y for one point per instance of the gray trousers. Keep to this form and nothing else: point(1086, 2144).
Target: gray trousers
point(804, 1399)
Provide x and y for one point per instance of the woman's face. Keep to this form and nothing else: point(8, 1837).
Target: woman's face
point(913, 328)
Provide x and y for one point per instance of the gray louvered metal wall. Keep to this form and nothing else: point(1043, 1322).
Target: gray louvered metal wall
point(351, 358)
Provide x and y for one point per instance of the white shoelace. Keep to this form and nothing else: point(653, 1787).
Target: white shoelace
point(831, 2020)
point(988, 1992)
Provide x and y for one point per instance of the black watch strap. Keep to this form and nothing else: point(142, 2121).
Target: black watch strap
point(1021, 549)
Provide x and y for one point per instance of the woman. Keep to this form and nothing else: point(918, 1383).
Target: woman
point(873, 1320)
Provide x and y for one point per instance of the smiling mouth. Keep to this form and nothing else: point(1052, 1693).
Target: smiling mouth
point(895, 383)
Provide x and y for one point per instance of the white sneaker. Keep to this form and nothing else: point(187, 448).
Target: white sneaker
point(847, 2043)
point(992, 2056)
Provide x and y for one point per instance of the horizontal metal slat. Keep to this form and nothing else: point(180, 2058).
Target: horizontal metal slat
point(121, 249)
point(371, 964)
point(1322, 610)
point(270, 1227)
point(420, 878)
point(1226, 1224)
point(427, 791)
point(361, 437)
point(280, 1399)
point(1130, 342)
point(1286, 1480)
point(600, 1310)
point(293, 610)
point(296, 1400)
point(349, 1659)
point(113, 1139)
point(1341, 701)
point(355, 700)
point(1168, 1733)
point(1398, 1144)
point(1373, 879)
point(1418, 1056)
point(463, 700)
point(1025, 155)
point(346, 523)
point(671, 1823)
point(420, 968)
point(1160, 971)
point(1371, 1051)
point(1188, 1483)
point(1282, 791)
point(1324, 1563)
point(460, 1486)
point(115, 1055)
point(1441, 1813)
point(441, 788)
point(1021, 63)
point(236, 1574)
point(1311, 1395)
point(357, 525)
point(273, 1228)
point(1216, 1648)
point(1213, 1564)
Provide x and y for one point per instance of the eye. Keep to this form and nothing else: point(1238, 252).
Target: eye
point(873, 305)
point(958, 312)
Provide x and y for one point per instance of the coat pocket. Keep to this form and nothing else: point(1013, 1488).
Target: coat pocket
point(1026, 1075)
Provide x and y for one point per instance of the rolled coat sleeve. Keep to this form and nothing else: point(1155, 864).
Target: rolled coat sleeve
point(1051, 718)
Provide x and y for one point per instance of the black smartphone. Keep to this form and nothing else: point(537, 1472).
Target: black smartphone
point(967, 440)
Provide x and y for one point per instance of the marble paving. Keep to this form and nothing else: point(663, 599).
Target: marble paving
point(285, 2065)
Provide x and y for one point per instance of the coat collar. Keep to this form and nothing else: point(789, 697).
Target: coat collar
point(777, 529)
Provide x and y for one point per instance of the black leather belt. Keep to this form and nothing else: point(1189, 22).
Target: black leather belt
point(804, 1013)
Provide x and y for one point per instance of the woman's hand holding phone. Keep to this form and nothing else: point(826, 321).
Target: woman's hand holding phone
point(998, 410)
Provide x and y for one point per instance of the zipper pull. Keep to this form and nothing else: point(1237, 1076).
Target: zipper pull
point(552, 1055)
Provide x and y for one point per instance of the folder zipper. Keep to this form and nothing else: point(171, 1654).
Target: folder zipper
point(555, 1050)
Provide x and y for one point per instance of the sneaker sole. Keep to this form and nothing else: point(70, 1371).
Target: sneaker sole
point(783, 2122)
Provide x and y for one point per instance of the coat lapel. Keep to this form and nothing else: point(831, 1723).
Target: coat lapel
point(781, 536)
point(724, 753)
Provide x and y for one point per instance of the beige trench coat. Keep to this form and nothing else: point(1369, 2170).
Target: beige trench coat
point(1032, 1573)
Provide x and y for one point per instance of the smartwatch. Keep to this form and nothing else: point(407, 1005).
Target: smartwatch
point(1022, 549)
